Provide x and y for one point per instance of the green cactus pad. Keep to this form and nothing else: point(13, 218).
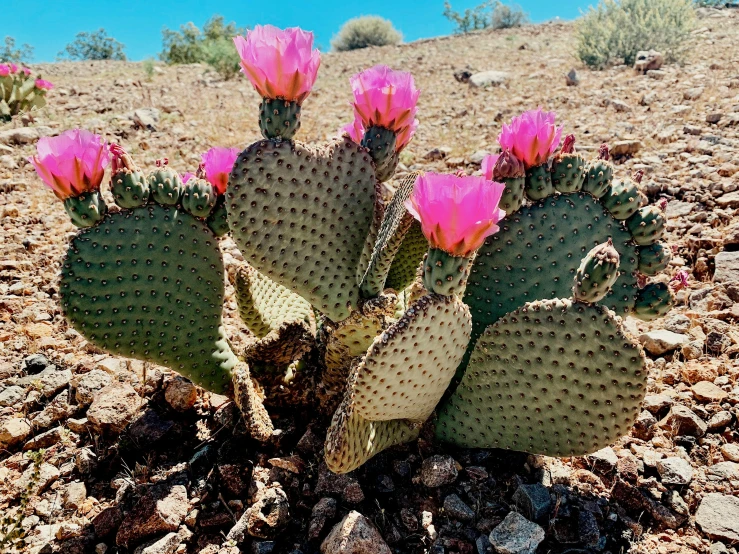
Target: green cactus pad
point(87, 209)
point(387, 170)
point(568, 172)
point(653, 301)
point(218, 219)
point(598, 177)
point(653, 258)
point(148, 284)
point(536, 253)
point(445, 274)
point(513, 195)
point(539, 182)
point(380, 143)
point(647, 225)
point(408, 367)
point(622, 199)
point(597, 273)
point(199, 197)
point(395, 225)
point(130, 188)
point(279, 118)
point(264, 305)
point(301, 216)
point(555, 378)
point(404, 268)
point(250, 404)
point(165, 185)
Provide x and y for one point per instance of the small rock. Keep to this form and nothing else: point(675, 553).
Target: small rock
point(729, 260)
point(181, 394)
point(489, 78)
point(85, 461)
point(516, 535)
point(89, 384)
point(354, 535)
point(345, 486)
point(262, 547)
point(648, 60)
point(693, 93)
point(323, 511)
point(146, 118)
point(23, 135)
point(263, 519)
point(683, 421)
point(533, 501)
point(604, 460)
point(47, 474)
point(149, 427)
point(718, 516)
point(438, 471)
point(723, 471)
point(49, 382)
point(730, 452)
point(705, 391)
point(68, 530)
point(714, 117)
point(113, 407)
point(719, 420)
point(107, 521)
point(656, 403)
point(76, 495)
point(662, 341)
point(571, 78)
point(35, 363)
point(626, 147)
point(44, 440)
point(455, 508)
point(161, 509)
point(11, 396)
point(727, 263)
point(643, 426)
point(675, 471)
point(14, 430)
point(620, 106)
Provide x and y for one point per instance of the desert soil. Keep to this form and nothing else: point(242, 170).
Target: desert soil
point(163, 467)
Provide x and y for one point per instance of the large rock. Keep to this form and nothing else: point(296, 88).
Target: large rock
point(181, 394)
point(727, 266)
point(24, 135)
point(114, 407)
point(14, 430)
point(489, 78)
point(718, 516)
point(682, 421)
point(438, 470)
point(662, 341)
point(354, 535)
point(89, 384)
point(516, 535)
point(675, 471)
point(706, 391)
point(160, 510)
point(50, 381)
point(648, 60)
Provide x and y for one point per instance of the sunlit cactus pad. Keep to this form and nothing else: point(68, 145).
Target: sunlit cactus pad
point(148, 284)
point(555, 378)
point(300, 216)
point(404, 268)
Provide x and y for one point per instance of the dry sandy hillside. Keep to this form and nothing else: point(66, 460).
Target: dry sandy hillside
point(176, 476)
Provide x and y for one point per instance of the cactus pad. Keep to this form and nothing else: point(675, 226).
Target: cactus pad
point(653, 258)
point(87, 209)
point(622, 199)
point(165, 185)
point(598, 176)
point(380, 143)
point(597, 273)
point(301, 216)
point(130, 188)
point(653, 301)
point(279, 118)
point(218, 219)
point(539, 182)
point(554, 377)
point(568, 172)
point(198, 197)
point(445, 274)
point(404, 268)
point(148, 284)
point(646, 225)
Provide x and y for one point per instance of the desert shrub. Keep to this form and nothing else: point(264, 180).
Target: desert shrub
point(617, 30)
point(488, 14)
point(12, 534)
point(507, 16)
point(94, 46)
point(212, 45)
point(9, 52)
point(148, 67)
point(368, 30)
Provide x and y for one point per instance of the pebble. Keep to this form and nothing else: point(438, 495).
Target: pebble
point(683, 421)
point(516, 535)
point(662, 341)
point(12, 395)
point(161, 509)
point(489, 78)
point(88, 384)
point(719, 420)
point(114, 407)
point(705, 391)
point(730, 452)
point(533, 501)
point(455, 508)
point(181, 394)
point(354, 534)
point(438, 470)
point(675, 471)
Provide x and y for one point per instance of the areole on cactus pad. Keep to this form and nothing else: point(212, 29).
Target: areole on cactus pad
point(494, 300)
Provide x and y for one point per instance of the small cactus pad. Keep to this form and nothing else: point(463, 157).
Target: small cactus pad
point(554, 377)
point(198, 197)
point(218, 219)
point(301, 216)
point(148, 284)
point(264, 305)
point(165, 185)
point(647, 225)
point(130, 188)
point(409, 366)
point(279, 118)
point(513, 195)
point(597, 273)
point(653, 301)
point(568, 172)
point(536, 253)
point(654, 258)
point(395, 224)
point(539, 182)
point(445, 274)
point(598, 177)
point(380, 143)
point(352, 440)
point(404, 268)
point(622, 199)
point(250, 404)
point(87, 209)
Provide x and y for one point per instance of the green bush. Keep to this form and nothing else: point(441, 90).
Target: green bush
point(368, 30)
point(213, 45)
point(94, 46)
point(10, 53)
point(488, 14)
point(617, 30)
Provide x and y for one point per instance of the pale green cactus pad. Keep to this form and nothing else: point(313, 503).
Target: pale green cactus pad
point(554, 377)
point(301, 215)
point(148, 284)
point(405, 266)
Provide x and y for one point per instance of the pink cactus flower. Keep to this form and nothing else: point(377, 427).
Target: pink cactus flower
point(218, 163)
point(487, 165)
point(386, 98)
point(355, 130)
point(280, 64)
point(187, 176)
point(13, 67)
point(456, 213)
point(4, 70)
point(43, 85)
point(72, 163)
point(26, 71)
point(532, 137)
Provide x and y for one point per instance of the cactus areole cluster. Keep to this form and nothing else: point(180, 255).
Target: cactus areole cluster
point(487, 307)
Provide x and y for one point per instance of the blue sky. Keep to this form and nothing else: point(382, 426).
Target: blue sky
point(49, 25)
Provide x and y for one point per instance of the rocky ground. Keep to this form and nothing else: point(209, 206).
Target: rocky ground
point(136, 459)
